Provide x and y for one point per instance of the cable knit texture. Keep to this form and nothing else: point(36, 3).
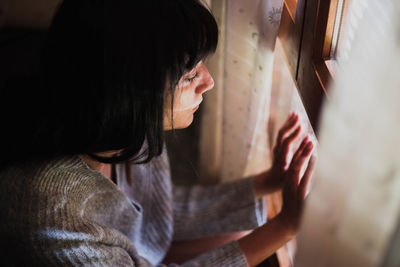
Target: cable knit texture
point(62, 213)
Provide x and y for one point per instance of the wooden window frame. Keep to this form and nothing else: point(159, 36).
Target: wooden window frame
point(306, 33)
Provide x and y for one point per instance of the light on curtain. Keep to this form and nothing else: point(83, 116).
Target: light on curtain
point(234, 141)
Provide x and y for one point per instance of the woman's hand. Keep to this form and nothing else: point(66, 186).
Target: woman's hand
point(295, 189)
point(274, 179)
point(287, 174)
point(265, 240)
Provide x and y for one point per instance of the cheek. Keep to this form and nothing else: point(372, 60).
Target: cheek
point(186, 97)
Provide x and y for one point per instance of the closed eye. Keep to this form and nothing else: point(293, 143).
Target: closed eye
point(190, 79)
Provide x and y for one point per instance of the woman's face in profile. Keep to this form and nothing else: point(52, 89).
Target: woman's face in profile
point(188, 96)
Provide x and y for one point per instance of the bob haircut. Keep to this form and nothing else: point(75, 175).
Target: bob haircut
point(105, 71)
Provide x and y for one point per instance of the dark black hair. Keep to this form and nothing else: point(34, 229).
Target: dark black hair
point(103, 78)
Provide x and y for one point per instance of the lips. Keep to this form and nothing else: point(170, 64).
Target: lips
point(198, 104)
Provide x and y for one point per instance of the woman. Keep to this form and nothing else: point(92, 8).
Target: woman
point(114, 76)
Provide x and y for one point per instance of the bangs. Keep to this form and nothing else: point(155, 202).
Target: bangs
point(193, 35)
point(201, 36)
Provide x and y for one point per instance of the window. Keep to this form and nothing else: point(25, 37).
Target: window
point(311, 36)
point(313, 43)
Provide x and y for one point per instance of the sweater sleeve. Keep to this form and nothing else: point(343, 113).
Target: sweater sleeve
point(101, 227)
point(229, 255)
point(77, 249)
point(225, 208)
point(89, 238)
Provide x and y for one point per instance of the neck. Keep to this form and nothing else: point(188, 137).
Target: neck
point(103, 168)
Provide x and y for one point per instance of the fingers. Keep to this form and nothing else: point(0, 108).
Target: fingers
point(290, 123)
point(287, 135)
point(305, 181)
point(301, 157)
point(285, 149)
point(301, 148)
point(290, 139)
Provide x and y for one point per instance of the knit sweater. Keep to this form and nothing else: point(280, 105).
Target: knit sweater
point(63, 213)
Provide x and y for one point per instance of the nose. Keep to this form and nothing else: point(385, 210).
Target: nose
point(207, 82)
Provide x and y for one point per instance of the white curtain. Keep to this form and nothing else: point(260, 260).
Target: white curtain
point(234, 141)
point(354, 208)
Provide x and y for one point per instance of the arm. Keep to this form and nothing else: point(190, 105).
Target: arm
point(66, 248)
point(94, 238)
point(226, 208)
point(264, 241)
point(184, 250)
point(236, 206)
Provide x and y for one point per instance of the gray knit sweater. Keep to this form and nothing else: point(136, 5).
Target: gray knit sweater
point(62, 213)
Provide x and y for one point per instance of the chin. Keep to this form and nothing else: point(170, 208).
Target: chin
point(181, 121)
point(184, 123)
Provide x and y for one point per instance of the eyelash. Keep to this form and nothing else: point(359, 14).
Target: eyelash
point(192, 78)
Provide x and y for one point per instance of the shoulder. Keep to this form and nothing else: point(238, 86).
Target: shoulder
point(54, 205)
point(66, 184)
point(63, 194)
point(64, 179)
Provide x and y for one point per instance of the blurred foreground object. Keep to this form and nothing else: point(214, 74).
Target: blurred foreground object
point(352, 213)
